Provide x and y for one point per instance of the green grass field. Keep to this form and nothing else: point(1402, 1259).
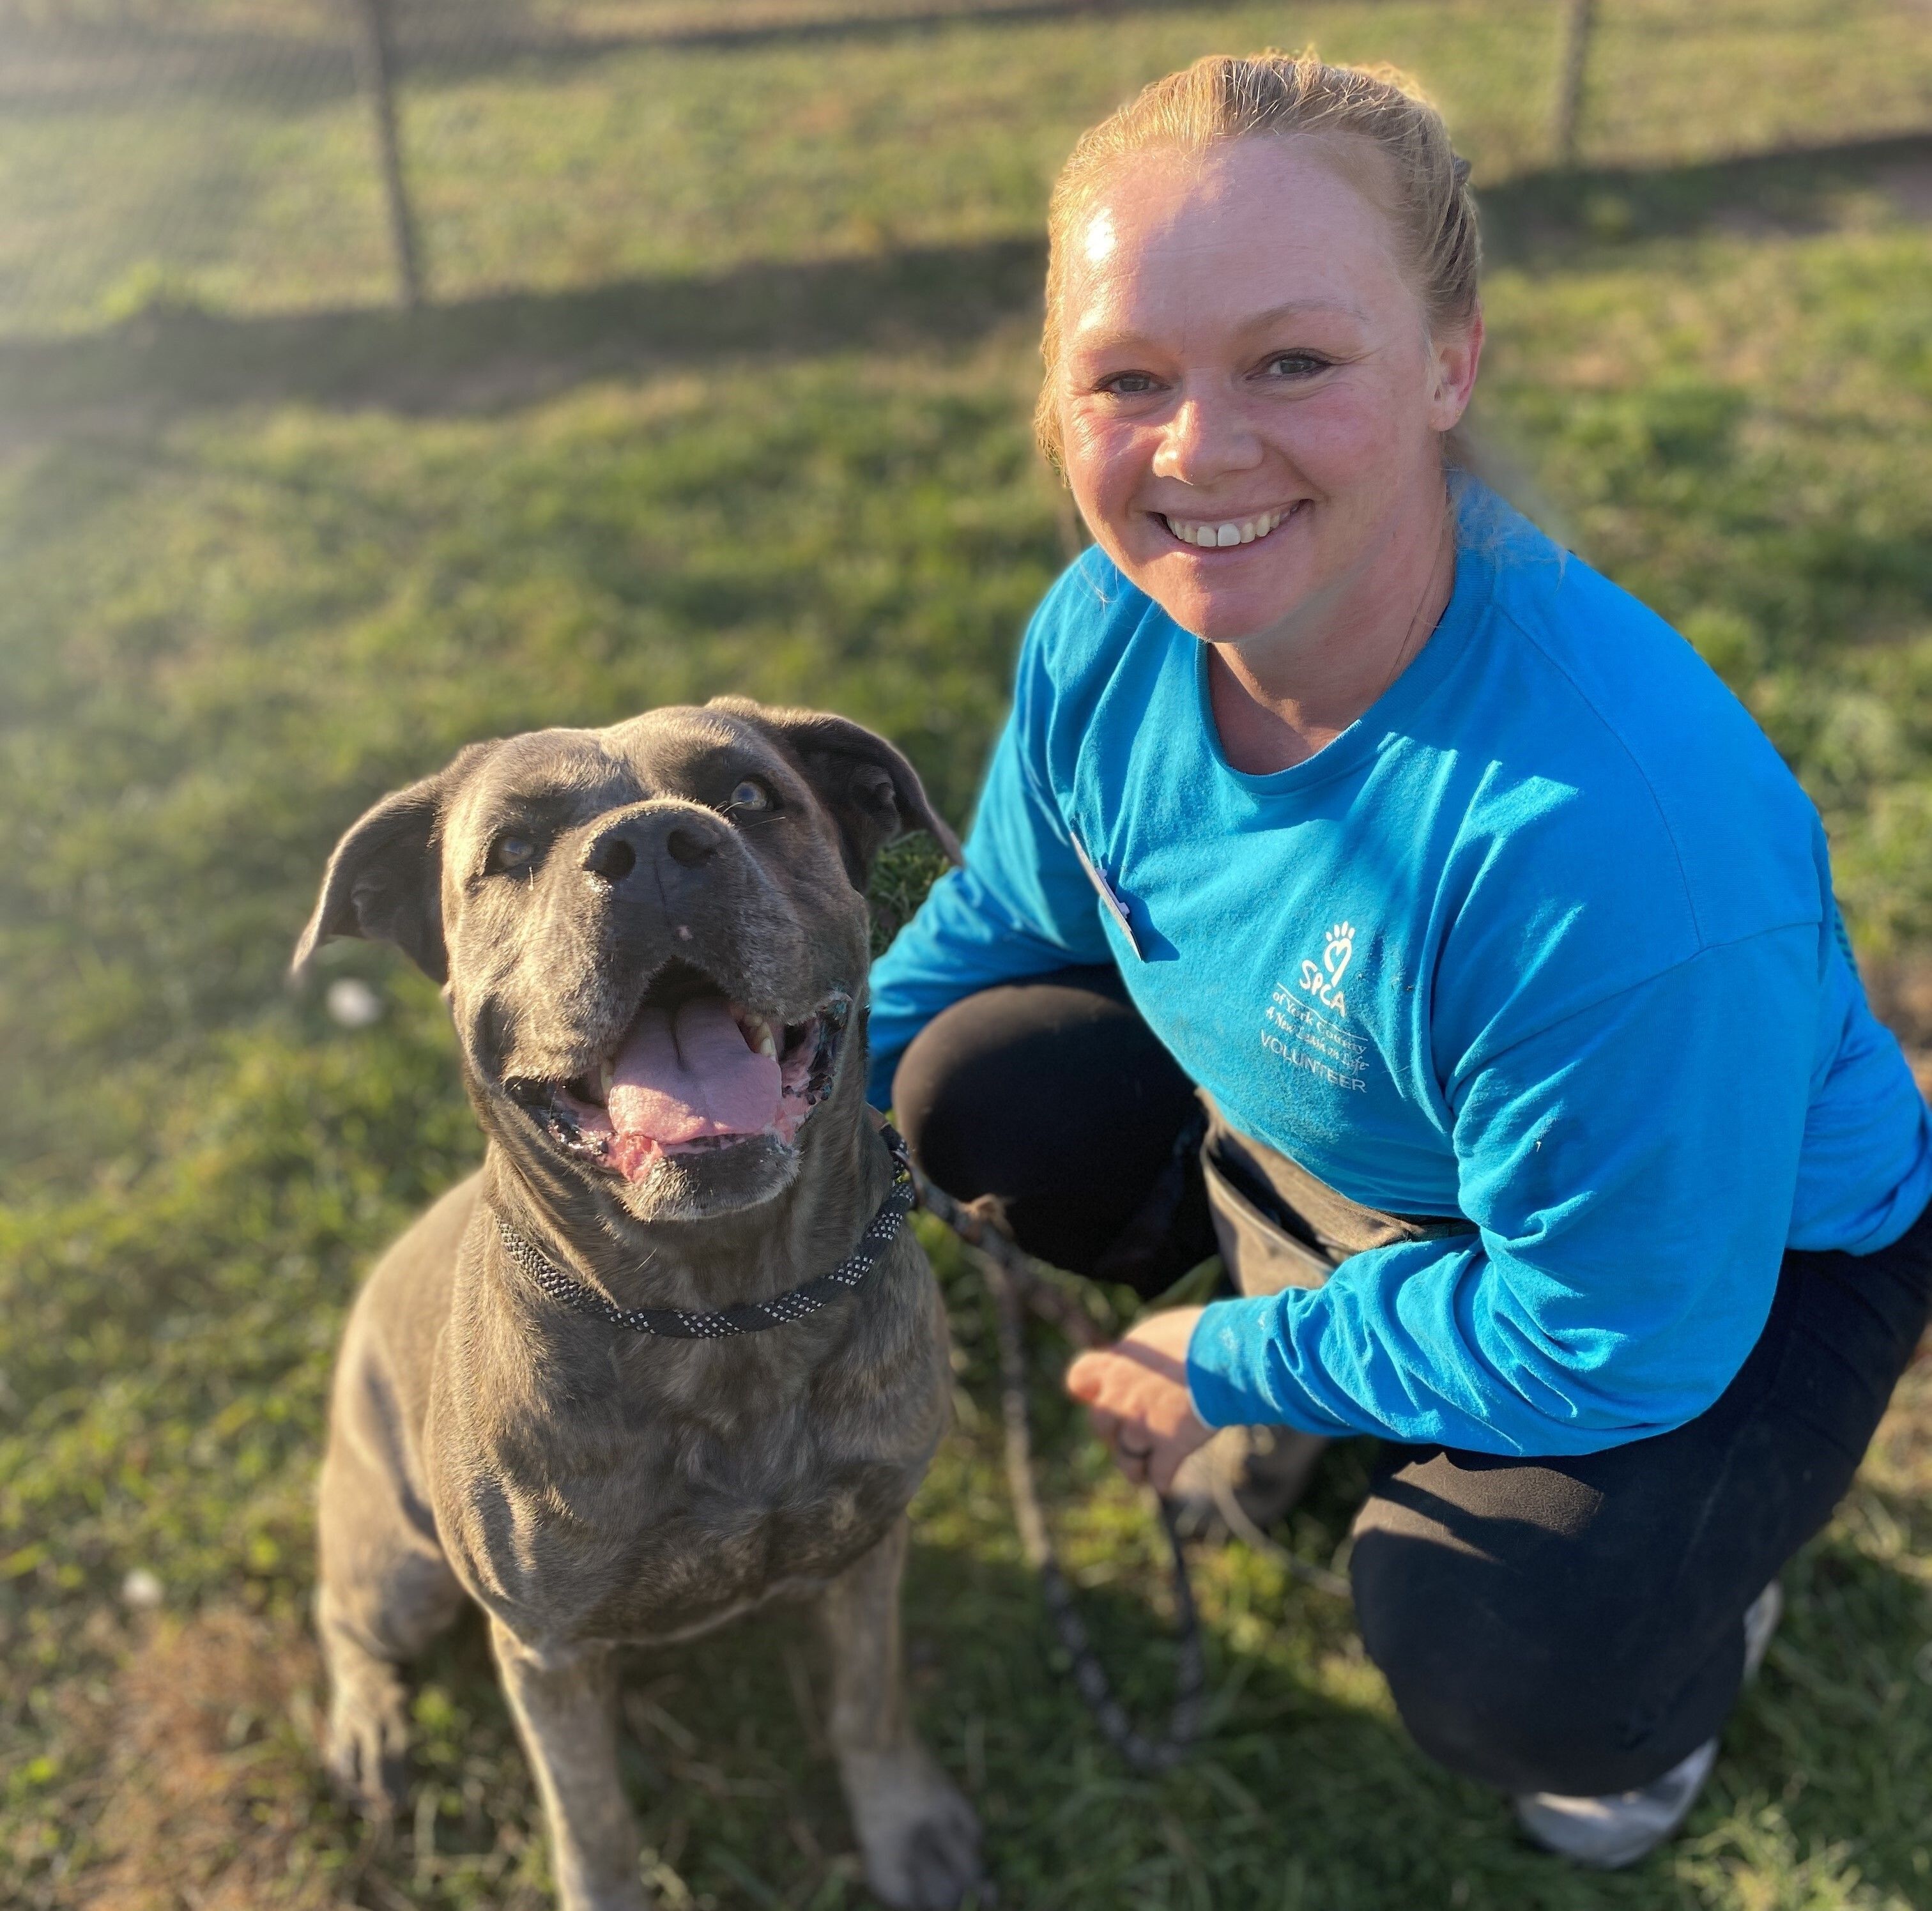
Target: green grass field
point(727, 389)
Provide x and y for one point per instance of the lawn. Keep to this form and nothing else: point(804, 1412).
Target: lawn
point(266, 549)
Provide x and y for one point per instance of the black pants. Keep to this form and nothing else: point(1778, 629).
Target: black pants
point(1573, 1625)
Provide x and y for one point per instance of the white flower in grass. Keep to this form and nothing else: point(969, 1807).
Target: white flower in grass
point(352, 1003)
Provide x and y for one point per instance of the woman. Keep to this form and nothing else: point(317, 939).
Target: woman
point(1549, 1135)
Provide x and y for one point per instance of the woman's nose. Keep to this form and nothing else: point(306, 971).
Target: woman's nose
point(1206, 438)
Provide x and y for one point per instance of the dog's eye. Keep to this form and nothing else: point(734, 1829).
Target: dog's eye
point(751, 796)
point(511, 852)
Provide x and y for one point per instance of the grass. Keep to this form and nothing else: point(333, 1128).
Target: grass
point(247, 185)
point(259, 566)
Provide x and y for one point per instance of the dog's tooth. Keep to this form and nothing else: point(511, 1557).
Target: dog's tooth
point(606, 1075)
point(764, 1043)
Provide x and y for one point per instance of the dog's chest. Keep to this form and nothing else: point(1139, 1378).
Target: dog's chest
point(719, 1546)
point(668, 1519)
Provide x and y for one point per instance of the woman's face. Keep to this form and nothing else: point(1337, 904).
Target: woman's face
point(1250, 405)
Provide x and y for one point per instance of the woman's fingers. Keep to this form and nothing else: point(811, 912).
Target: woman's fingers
point(1135, 1394)
point(1083, 1377)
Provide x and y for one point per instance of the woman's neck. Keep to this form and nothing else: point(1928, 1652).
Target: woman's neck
point(1278, 697)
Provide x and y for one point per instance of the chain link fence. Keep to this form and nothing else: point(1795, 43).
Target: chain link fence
point(251, 156)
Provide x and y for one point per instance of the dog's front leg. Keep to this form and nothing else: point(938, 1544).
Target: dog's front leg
point(920, 1839)
point(565, 1706)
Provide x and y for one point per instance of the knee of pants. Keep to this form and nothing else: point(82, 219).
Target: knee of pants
point(1525, 1693)
point(949, 1107)
point(1025, 1088)
point(1053, 1098)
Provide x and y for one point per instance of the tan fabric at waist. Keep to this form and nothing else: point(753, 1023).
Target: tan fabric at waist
point(1280, 1226)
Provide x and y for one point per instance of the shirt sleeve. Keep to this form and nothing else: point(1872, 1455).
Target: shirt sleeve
point(1021, 906)
point(1630, 1170)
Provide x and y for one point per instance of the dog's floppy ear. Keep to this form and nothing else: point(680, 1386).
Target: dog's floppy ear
point(873, 794)
point(384, 882)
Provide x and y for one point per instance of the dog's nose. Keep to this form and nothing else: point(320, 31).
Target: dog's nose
point(689, 847)
point(610, 856)
point(690, 838)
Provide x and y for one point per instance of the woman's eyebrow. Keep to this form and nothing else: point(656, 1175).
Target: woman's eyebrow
point(1297, 308)
point(1103, 337)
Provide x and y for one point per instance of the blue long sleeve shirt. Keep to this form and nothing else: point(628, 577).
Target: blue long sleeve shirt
point(1545, 939)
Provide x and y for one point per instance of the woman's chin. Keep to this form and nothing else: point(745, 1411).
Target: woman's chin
point(1223, 612)
point(1221, 596)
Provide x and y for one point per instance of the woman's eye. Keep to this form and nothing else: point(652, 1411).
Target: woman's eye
point(511, 852)
point(750, 795)
point(1296, 365)
point(1128, 385)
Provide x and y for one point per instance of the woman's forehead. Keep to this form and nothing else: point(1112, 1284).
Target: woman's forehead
point(1262, 226)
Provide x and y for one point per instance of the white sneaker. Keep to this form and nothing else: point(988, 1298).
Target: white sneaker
point(1617, 1829)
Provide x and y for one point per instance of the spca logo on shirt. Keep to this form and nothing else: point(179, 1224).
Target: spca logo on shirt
point(1323, 979)
point(1305, 1022)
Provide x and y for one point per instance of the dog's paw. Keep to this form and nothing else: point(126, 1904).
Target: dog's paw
point(367, 1751)
point(920, 1837)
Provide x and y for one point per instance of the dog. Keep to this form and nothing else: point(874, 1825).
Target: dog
point(551, 1398)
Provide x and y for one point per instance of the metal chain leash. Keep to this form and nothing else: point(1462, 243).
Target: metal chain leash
point(1014, 1284)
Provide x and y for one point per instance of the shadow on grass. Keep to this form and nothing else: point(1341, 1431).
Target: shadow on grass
point(498, 351)
point(501, 350)
point(1545, 218)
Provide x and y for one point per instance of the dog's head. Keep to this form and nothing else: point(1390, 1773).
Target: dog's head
point(653, 938)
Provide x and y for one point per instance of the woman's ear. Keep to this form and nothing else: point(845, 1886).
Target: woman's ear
point(1456, 353)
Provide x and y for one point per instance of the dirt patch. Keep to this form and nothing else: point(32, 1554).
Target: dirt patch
point(214, 1786)
point(1901, 998)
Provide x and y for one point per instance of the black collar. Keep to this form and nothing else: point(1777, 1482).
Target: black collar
point(742, 1316)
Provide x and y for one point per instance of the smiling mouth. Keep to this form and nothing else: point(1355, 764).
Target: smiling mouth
point(695, 1073)
point(1224, 533)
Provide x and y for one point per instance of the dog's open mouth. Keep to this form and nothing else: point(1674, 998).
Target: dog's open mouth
point(694, 1071)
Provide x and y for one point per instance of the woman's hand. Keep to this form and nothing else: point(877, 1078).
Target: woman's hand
point(1136, 1393)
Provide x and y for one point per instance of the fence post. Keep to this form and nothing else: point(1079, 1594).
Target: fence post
point(373, 63)
point(1579, 17)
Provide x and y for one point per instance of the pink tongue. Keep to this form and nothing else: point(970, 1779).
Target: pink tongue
point(677, 1080)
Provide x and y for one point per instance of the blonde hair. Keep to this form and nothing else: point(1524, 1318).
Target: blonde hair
point(1271, 95)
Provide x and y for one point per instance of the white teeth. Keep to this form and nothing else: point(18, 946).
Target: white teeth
point(606, 1075)
point(1221, 536)
point(757, 1033)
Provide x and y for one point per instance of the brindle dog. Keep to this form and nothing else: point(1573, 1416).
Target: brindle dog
point(653, 942)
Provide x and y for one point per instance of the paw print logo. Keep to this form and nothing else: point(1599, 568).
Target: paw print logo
point(1323, 979)
point(1337, 950)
